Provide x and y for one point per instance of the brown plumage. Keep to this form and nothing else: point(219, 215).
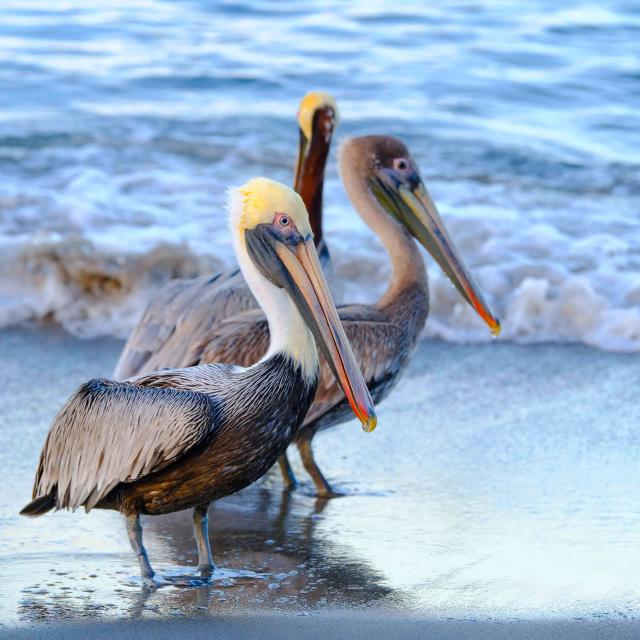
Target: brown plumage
point(216, 419)
point(185, 310)
point(381, 339)
point(383, 335)
point(181, 438)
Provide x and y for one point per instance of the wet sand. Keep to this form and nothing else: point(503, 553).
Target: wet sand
point(498, 496)
point(334, 626)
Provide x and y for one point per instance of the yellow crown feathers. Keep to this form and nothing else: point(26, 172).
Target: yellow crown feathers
point(311, 102)
point(257, 201)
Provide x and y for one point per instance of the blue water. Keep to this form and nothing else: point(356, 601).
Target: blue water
point(123, 122)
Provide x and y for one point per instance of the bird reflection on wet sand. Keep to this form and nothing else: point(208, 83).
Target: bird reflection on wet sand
point(514, 516)
point(294, 565)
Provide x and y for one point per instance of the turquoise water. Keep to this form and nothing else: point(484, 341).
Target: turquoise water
point(123, 122)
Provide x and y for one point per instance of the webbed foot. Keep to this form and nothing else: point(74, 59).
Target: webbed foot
point(326, 492)
point(185, 580)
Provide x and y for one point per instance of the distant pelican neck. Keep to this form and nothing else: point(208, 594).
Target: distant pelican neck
point(407, 265)
point(311, 183)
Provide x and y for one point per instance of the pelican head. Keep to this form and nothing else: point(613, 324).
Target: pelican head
point(395, 182)
point(271, 221)
point(317, 120)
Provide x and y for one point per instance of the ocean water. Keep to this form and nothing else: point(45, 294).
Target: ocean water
point(123, 122)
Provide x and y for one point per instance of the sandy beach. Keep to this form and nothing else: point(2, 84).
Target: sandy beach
point(497, 496)
point(335, 626)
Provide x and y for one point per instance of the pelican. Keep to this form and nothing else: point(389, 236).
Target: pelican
point(186, 309)
point(182, 438)
point(385, 187)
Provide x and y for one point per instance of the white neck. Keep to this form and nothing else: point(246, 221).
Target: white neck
point(288, 332)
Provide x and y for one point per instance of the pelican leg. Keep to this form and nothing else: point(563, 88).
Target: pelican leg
point(134, 531)
point(288, 477)
point(201, 532)
point(323, 488)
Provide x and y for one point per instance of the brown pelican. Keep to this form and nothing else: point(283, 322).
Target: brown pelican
point(385, 186)
point(183, 437)
point(186, 309)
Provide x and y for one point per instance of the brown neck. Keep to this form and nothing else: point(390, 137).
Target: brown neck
point(408, 270)
point(311, 177)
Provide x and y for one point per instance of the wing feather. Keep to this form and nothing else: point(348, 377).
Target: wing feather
point(154, 327)
point(241, 340)
point(110, 432)
point(377, 346)
point(177, 317)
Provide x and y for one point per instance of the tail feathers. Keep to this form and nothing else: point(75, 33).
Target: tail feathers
point(39, 506)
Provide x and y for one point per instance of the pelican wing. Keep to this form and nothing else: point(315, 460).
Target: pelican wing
point(241, 339)
point(110, 432)
point(376, 344)
point(178, 316)
point(154, 328)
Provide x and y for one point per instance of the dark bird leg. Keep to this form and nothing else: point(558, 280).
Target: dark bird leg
point(323, 488)
point(288, 477)
point(201, 532)
point(134, 531)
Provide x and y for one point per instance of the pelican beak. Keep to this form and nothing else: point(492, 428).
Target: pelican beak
point(410, 202)
point(293, 264)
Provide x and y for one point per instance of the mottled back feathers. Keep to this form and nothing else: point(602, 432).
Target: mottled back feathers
point(181, 311)
point(110, 432)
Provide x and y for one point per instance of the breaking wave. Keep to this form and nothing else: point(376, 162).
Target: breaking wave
point(87, 291)
point(93, 291)
point(121, 127)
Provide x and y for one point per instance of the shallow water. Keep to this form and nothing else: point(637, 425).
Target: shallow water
point(501, 483)
point(123, 122)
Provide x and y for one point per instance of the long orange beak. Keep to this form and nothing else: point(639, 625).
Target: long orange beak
point(414, 208)
point(310, 292)
point(432, 233)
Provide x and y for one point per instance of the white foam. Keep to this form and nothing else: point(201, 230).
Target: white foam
point(87, 290)
point(543, 284)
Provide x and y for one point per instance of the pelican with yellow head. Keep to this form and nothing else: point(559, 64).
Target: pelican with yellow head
point(384, 184)
point(179, 316)
point(181, 438)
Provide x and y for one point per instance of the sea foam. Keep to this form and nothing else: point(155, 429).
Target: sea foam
point(94, 291)
point(122, 128)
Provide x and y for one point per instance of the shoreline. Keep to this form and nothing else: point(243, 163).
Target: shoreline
point(496, 491)
point(335, 626)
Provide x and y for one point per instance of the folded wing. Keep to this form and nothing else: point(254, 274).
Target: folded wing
point(110, 432)
point(179, 315)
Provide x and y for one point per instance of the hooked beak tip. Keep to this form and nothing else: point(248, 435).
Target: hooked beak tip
point(492, 322)
point(369, 421)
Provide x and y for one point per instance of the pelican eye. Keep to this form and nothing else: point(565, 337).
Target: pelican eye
point(283, 220)
point(400, 164)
